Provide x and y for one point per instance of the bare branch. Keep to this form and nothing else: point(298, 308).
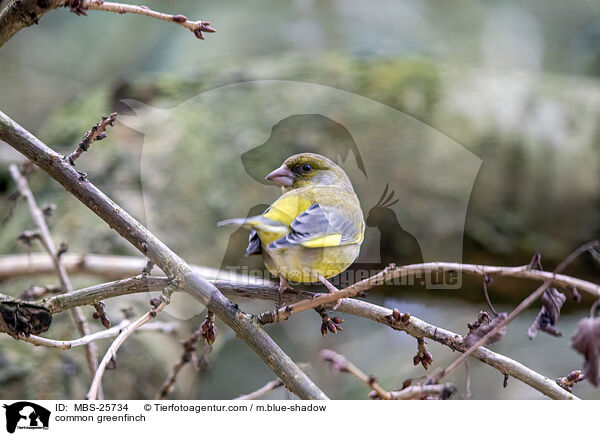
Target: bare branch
point(39, 218)
point(260, 392)
point(103, 334)
point(22, 13)
point(418, 328)
point(114, 347)
point(422, 391)
point(567, 382)
point(520, 308)
point(96, 133)
point(340, 364)
point(405, 322)
point(500, 325)
point(189, 346)
point(162, 256)
point(393, 272)
point(108, 267)
point(197, 27)
point(113, 267)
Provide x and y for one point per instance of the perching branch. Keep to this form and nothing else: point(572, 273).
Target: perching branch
point(181, 273)
point(407, 323)
point(112, 267)
point(393, 272)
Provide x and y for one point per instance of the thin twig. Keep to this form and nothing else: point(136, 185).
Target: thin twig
point(567, 382)
point(114, 347)
point(189, 346)
point(484, 339)
point(103, 334)
point(260, 392)
point(22, 13)
point(91, 351)
point(96, 133)
point(519, 309)
point(197, 27)
point(422, 391)
point(340, 363)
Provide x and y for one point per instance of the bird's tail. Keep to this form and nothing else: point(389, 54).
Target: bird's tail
point(251, 222)
point(234, 222)
point(259, 223)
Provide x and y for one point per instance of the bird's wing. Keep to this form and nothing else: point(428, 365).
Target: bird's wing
point(319, 227)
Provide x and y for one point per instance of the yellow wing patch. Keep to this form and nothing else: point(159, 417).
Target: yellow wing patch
point(287, 208)
point(332, 240)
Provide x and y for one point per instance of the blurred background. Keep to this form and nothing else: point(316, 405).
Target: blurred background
point(482, 116)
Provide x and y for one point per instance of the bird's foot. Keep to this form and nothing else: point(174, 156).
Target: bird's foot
point(283, 286)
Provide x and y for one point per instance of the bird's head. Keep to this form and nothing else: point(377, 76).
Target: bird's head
point(308, 169)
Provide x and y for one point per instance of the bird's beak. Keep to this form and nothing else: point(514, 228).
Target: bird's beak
point(282, 176)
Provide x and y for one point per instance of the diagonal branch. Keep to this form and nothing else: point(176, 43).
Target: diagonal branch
point(181, 273)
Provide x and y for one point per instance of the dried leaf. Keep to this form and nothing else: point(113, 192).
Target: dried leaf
point(547, 318)
point(24, 318)
point(586, 341)
point(479, 332)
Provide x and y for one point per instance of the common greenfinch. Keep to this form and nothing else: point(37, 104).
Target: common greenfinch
point(314, 230)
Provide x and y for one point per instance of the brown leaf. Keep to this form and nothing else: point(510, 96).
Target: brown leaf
point(479, 332)
point(586, 341)
point(547, 318)
point(24, 318)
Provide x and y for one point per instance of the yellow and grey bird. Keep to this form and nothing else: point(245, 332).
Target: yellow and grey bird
point(314, 230)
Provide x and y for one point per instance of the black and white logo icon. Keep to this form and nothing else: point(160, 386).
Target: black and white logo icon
point(26, 415)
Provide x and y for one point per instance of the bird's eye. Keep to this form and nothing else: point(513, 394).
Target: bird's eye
point(306, 168)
